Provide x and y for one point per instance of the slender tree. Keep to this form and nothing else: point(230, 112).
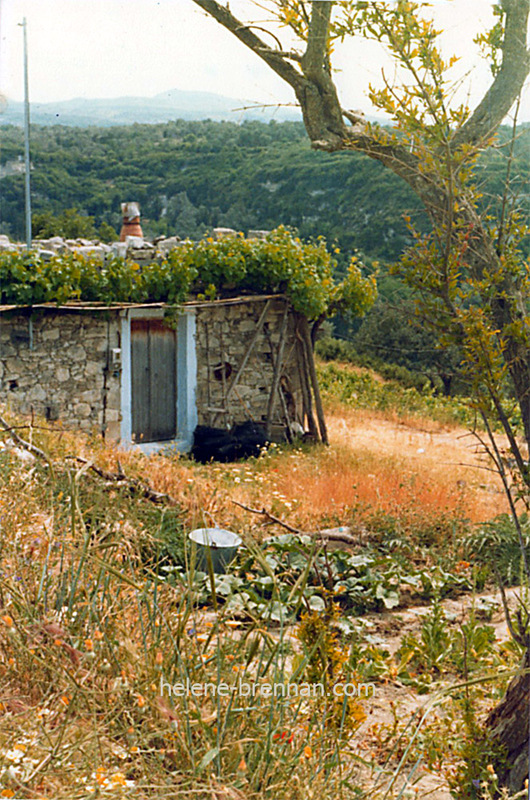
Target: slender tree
point(470, 277)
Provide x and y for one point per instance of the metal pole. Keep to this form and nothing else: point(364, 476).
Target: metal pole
point(26, 139)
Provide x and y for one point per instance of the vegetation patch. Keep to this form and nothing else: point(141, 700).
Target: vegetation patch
point(280, 263)
point(360, 389)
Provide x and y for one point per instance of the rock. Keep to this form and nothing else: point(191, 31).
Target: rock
point(82, 410)
point(113, 431)
point(93, 368)
point(257, 234)
point(50, 335)
point(91, 251)
point(165, 245)
point(119, 249)
point(36, 395)
point(46, 255)
point(55, 243)
point(134, 242)
point(221, 233)
point(5, 244)
point(76, 353)
point(23, 455)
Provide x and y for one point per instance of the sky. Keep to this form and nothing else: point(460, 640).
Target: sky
point(115, 48)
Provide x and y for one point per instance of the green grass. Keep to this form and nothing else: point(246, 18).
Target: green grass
point(362, 389)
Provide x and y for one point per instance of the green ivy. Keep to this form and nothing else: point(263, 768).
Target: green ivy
point(281, 263)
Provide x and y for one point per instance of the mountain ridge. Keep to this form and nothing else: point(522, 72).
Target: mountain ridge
point(162, 107)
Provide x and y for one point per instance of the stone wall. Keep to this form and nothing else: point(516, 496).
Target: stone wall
point(57, 365)
point(224, 334)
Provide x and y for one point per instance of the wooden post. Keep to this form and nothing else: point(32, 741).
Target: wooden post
point(222, 361)
point(208, 373)
point(310, 360)
point(278, 363)
point(306, 391)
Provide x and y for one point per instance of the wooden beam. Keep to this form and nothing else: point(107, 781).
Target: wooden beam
point(306, 338)
point(248, 353)
point(306, 391)
point(277, 369)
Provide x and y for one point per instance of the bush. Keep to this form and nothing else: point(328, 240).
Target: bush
point(330, 349)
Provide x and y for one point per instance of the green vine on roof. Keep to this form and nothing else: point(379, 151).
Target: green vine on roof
point(281, 263)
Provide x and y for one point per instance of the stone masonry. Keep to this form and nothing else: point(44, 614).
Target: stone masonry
point(56, 362)
point(224, 334)
point(56, 365)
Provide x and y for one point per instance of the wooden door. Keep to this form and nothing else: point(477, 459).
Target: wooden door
point(154, 381)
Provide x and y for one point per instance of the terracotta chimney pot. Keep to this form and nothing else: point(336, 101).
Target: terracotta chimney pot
point(131, 221)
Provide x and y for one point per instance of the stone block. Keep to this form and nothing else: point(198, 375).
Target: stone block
point(113, 431)
point(93, 368)
point(97, 346)
point(14, 367)
point(97, 252)
point(36, 394)
point(76, 353)
point(91, 396)
point(82, 410)
point(50, 334)
point(113, 398)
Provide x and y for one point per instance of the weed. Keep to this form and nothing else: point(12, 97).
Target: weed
point(474, 777)
point(326, 658)
point(98, 605)
point(495, 546)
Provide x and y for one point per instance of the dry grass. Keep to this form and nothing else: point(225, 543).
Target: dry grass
point(376, 463)
point(86, 629)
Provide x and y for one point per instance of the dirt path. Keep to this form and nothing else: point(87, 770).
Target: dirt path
point(422, 450)
point(392, 700)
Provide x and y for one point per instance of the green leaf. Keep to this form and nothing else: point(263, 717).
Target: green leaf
point(208, 758)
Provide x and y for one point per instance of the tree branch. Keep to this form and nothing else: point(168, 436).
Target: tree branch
point(320, 105)
point(324, 119)
point(508, 82)
point(327, 535)
point(314, 90)
point(274, 58)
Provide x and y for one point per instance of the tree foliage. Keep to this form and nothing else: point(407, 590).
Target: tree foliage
point(190, 177)
point(469, 273)
point(281, 263)
point(70, 224)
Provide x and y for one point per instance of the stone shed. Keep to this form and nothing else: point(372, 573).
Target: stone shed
point(147, 375)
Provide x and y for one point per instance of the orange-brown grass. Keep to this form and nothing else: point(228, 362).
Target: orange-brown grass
point(376, 463)
point(81, 657)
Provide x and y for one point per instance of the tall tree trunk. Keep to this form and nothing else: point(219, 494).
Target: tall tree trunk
point(507, 725)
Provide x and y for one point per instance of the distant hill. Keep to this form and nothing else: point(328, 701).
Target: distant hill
point(164, 107)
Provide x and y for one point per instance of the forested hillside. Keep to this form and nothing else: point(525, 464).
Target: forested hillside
point(193, 175)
